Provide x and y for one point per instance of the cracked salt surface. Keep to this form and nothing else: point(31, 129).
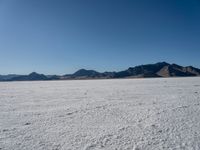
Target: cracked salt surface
point(126, 114)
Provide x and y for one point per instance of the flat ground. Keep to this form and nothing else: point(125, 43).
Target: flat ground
point(125, 114)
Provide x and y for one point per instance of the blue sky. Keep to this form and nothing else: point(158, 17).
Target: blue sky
point(61, 36)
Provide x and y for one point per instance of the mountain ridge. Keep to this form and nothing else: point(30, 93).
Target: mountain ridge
point(160, 69)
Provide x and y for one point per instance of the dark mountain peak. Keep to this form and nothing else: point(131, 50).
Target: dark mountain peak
point(33, 74)
point(83, 70)
point(175, 65)
point(37, 75)
point(87, 73)
point(163, 63)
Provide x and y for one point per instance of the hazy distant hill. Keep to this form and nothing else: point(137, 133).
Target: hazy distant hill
point(161, 69)
point(31, 77)
point(7, 77)
point(86, 73)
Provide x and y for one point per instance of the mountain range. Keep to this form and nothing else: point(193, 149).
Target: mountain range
point(161, 69)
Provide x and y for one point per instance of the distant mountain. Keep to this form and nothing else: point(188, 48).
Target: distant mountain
point(175, 70)
point(7, 77)
point(89, 74)
point(83, 73)
point(149, 70)
point(53, 77)
point(161, 69)
point(31, 77)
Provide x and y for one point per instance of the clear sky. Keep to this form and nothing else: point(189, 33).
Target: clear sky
point(61, 36)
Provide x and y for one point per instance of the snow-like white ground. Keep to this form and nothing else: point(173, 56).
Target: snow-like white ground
point(126, 114)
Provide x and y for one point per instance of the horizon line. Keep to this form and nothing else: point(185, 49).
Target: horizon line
point(93, 69)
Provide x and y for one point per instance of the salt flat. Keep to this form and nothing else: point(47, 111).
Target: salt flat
point(125, 114)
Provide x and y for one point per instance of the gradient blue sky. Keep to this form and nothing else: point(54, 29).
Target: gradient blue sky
point(61, 36)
